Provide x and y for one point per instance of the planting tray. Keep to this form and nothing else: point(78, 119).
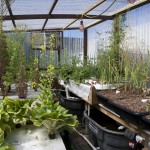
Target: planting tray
point(124, 113)
point(127, 114)
point(103, 100)
point(34, 138)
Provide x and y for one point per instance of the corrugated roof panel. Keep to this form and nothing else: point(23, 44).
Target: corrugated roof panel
point(7, 25)
point(117, 5)
point(73, 7)
point(21, 7)
point(57, 23)
point(31, 24)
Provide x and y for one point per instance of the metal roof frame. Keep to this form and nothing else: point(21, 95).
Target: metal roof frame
point(99, 18)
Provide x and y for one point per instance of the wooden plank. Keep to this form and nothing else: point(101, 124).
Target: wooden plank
point(92, 100)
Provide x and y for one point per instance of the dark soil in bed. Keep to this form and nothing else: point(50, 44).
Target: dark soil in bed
point(127, 99)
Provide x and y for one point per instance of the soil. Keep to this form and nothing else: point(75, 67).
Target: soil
point(127, 99)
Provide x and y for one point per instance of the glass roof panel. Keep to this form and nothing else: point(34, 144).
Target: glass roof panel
point(57, 23)
point(20, 7)
point(31, 24)
point(119, 4)
point(73, 7)
point(86, 22)
point(8, 25)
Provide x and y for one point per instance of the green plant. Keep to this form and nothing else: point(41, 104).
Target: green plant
point(46, 79)
point(4, 58)
point(4, 119)
point(110, 67)
point(54, 117)
point(136, 71)
point(18, 110)
point(83, 72)
point(48, 112)
point(3, 144)
point(5, 127)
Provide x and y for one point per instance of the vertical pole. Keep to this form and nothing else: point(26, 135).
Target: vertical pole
point(85, 46)
point(59, 56)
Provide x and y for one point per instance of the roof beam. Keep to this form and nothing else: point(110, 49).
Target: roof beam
point(51, 9)
point(84, 13)
point(54, 29)
point(56, 16)
point(123, 10)
point(10, 12)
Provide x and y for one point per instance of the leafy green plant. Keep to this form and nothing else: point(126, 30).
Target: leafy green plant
point(18, 110)
point(3, 144)
point(5, 127)
point(4, 119)
point(83, 72)
point(54, 117)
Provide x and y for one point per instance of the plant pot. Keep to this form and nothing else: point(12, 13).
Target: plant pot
point(104, 133)
point(22, 90)
point(5, 90)
point(74, 104)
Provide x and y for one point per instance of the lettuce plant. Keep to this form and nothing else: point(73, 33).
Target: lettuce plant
point(55, 118)
point(18, 110)
point(3, 144)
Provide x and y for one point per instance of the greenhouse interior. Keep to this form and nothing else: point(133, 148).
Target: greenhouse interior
point(75, 75)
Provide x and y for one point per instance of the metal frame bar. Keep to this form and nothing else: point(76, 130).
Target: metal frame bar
point(10, 12)
point(51, 10)
point(55, 16)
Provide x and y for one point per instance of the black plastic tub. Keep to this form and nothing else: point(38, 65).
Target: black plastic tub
point(124, 113)
point(146, 122)
point(74, 104)
point(103, 132)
